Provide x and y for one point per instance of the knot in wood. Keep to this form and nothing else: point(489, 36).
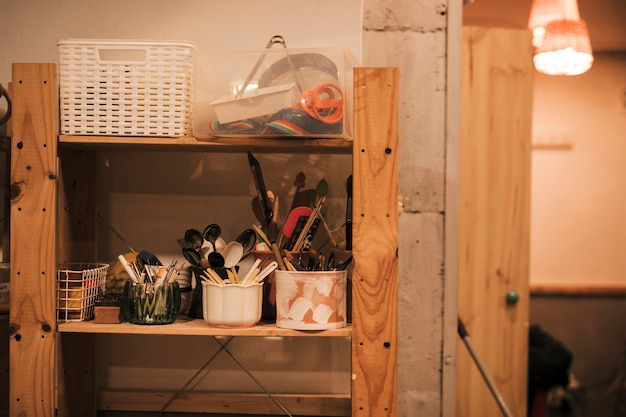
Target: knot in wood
point(15, 190)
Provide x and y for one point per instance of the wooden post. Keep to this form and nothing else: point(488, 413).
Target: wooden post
point(33, 248)
point(375, 222)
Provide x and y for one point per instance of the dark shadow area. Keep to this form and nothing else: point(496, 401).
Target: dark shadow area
point(593, 328)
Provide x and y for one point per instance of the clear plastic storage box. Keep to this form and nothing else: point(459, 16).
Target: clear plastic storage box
point(275, 91)
point(126, 88)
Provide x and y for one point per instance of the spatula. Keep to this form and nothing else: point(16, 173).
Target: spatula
point(292, 220)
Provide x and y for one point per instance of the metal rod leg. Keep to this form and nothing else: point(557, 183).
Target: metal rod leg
point(222, 347)
point(483, 371)
point(256, 381)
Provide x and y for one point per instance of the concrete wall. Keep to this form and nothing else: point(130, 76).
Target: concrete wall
point(423, 39)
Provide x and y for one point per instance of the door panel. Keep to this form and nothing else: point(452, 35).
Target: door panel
point(494, 218)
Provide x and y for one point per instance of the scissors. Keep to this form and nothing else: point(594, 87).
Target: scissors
point(324, 103)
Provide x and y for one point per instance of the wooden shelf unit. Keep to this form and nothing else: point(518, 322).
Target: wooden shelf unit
point(49, 223)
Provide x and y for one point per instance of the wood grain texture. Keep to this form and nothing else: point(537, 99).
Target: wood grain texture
point(494, 219)
point(77, 212)
point(231, 144)
point(375, 225)
point(224, 403)
point(33, 245)
point(4, 364)
point(198, 327)
point(77, 377)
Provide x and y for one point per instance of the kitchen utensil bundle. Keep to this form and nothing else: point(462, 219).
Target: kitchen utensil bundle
point(207, 248)
point(151, 295)
point(267, 209)
point(141, 272)
point(253, 276)
point(303, 220)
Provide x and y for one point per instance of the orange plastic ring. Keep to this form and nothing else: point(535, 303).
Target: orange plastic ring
point(306, 103)
point(327, 108)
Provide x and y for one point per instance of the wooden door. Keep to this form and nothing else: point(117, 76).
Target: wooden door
point(495, 156)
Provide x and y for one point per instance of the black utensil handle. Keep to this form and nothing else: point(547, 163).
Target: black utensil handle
point(255, 167)
point(349, 214)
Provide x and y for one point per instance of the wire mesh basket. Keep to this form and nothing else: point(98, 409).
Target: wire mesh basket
point(78, 286)
point(125, 88)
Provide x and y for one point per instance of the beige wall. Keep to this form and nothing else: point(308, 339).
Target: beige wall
point(33, 27)
point(578, 232)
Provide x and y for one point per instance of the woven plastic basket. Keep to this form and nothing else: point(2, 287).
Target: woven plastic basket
point(78, 286)
point(126, 88)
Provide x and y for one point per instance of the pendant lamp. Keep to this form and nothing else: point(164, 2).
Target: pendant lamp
point(561, 38)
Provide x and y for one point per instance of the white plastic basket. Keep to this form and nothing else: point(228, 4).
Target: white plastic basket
point(78, 286)
point(126, 88)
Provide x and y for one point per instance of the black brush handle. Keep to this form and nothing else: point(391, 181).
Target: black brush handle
point(349, 214)
point(268, 211)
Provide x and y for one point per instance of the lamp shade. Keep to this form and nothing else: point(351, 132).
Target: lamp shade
point(565, 50)
point(543, 12)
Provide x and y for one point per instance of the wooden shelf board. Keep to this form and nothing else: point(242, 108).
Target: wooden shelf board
point(217, 144)
point(224, 403)
point(184, 327)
